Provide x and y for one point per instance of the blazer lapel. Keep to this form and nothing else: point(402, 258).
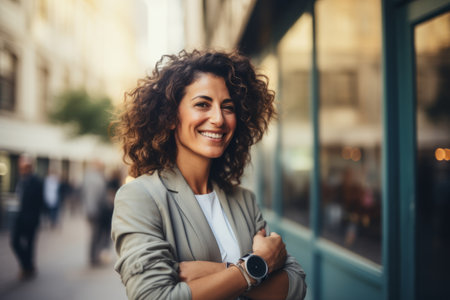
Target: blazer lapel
point(183, 195)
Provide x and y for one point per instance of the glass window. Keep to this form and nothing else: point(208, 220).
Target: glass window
point(43, 91)
point(8, 71)
point(349, 64)
point(265, 158)
point(432, 47)
point(295, 53)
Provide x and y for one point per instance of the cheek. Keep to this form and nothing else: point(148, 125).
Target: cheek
point(231, 121)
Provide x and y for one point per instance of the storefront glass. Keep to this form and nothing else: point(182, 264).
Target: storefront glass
point(264, 158)
point(350, 91)
point(296, 156)
point(432, 48)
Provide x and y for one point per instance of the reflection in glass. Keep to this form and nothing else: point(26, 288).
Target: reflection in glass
point(349, 64)
point(296, 135)
point(267, 146)
point(432, 47)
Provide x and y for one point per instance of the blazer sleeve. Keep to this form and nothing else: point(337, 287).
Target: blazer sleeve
point(297, 284)
point(146, 262)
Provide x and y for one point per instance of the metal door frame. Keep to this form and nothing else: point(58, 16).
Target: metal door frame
point(399, 157)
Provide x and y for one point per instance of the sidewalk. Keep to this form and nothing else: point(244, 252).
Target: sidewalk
point(63, 269)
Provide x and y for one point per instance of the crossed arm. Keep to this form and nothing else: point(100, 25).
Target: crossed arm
point(149, 270)
point(210, 280)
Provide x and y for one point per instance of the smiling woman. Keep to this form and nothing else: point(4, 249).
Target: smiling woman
point(184, 229)
point(145, 126)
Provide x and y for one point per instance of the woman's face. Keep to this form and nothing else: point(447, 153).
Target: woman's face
point(206, 119)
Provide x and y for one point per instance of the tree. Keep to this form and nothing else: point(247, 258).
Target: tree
point(87, 115)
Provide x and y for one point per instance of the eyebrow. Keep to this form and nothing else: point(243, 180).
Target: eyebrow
point(202, 96)
point(210, 99)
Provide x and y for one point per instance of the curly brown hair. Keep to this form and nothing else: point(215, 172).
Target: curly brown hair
point(145, 124)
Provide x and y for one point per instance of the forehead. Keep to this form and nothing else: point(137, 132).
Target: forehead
point(207, 81)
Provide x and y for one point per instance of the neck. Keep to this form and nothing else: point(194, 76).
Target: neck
point(196, 173)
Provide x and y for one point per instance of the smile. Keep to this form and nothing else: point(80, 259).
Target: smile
point(212, 135)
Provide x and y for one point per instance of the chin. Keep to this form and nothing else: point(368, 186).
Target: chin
point(213, 152)
point(212, 156)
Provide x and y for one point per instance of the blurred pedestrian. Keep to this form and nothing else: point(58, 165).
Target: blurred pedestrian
point(52, 196)
point(93, 193)
point(113, 184)
point(30, 194)
point(105, 215)
point(65, 192)
point(184, 228)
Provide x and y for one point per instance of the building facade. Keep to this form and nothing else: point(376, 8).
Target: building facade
point(355, 173)
point(50, 46)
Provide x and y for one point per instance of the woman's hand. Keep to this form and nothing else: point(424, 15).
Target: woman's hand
point(270, 248)
point(190, 270)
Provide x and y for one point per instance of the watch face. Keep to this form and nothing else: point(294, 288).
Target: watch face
point(256, 267)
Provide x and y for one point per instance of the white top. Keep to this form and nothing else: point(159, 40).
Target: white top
point(51, 185)
point(220, 226)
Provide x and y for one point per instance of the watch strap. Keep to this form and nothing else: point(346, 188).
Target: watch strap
point(246, 276)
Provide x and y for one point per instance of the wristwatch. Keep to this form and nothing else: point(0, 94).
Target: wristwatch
point(256, 267)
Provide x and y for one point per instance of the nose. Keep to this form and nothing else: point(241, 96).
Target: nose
point(216, 117)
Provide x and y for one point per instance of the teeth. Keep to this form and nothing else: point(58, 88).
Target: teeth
point(212, 135)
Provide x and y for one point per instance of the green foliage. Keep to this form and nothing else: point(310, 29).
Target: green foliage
point(86, 114)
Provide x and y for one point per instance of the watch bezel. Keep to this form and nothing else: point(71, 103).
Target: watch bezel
point(249, 258)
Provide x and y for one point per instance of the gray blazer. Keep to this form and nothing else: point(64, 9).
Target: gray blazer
point(157, 223)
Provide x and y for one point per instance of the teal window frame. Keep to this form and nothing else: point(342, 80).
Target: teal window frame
point(395, 277)
point(400, 109)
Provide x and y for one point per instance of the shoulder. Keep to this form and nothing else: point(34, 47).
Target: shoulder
point(139, 198)
point(142, 185)
point(145, 190)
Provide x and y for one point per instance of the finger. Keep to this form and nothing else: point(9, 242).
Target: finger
point(274, 234)
point(261, 233)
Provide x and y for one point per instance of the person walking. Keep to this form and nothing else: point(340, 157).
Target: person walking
point(113, 184)
point(30, 194)
point(52, 197)
point(93, 193)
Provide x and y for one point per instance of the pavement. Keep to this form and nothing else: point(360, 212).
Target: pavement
point(63, 271)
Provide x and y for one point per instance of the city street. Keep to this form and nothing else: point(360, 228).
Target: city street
point(63, 269)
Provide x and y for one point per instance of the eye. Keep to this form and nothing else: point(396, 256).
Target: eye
point(228, 107)
point(202, 104)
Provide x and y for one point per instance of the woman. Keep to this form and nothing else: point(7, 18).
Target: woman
point(182, 229)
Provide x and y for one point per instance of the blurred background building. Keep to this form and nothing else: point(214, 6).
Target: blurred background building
point(50, 48)
point(355, 173)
